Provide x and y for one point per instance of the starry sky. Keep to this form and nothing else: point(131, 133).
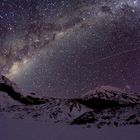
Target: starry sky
point(64, 48)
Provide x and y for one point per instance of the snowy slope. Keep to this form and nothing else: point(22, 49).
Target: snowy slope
point(101, 107)
point(31, 130)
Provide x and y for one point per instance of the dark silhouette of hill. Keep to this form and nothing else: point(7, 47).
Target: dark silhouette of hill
point(28, 100)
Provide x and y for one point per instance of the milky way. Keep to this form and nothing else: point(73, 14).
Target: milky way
point(65, 48)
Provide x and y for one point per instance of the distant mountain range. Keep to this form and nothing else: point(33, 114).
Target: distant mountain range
point(102, 106)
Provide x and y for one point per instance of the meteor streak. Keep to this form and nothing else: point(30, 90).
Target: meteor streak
point(114, 55)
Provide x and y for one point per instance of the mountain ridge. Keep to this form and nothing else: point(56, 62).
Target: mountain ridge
point(99, 106)
point(108, 93)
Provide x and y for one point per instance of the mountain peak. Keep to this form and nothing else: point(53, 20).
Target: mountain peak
point(109, 88)
point(110, 93)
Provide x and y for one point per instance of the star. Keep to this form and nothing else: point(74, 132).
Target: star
point(67, 48)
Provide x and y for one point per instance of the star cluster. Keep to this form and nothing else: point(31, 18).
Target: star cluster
point(64, 48)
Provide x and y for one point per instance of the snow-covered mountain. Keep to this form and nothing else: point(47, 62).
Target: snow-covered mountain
point(105, 105)
point(16, 104)
point(112, 94)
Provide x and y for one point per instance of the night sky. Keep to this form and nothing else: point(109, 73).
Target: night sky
point(64, 48)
